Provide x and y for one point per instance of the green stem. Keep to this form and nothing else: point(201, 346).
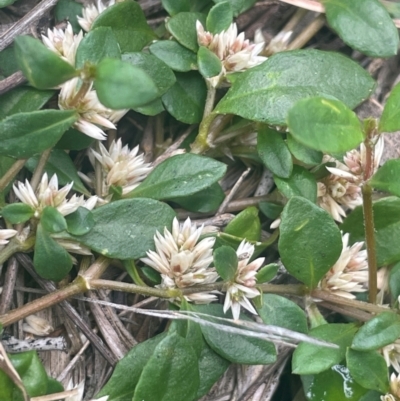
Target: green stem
point(15, 246)
point(210, 100)
point(132, 270)
point(11, 173)
point(200, 145)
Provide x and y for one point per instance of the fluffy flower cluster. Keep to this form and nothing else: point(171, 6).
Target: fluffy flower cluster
point(350, 273)
point(5, 235)
point(182, 260)
point(394, 394)
point(235, 52)
point(91, 12)
point(242, 286)
point(121, 166)
point(391, 353)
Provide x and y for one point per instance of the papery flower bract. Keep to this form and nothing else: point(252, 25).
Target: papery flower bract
point(5, 235)
point(121, 166)
point(182, 261)
point(91, 12)
point(242, 286)
point(63, 43)
point(350, 272)
point(37, 325)
point(391, 353)
point(48, 194)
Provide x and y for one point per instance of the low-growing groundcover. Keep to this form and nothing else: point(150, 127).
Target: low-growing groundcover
point(162, 244)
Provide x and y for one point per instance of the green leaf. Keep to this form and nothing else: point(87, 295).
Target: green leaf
point(23, 135)
point(267, 273)
point(68, 10)
point(4, 3)
point(302, 153)
point(180, 175)
point(182, 27)
point(245, 225)
point(54, 386)
point(8, 62)
point(129, 25)
point(368, 369)
point(174, 55)
point(390, 119)
point(325, 125)
point(219, 17)
point(209, 63)
point(158, 71)
point(125, 229)
point(60, 163)
point(387, 177)
point(152, 108)
point(175, 365)
point(270, 209)
point(51, 260)
point(205, 201)
point(266, 93)
point(52, 220)
point(387, 228)
point(96, 45)
point(41, 67)
point(23, 99)
point(80, 222)
point(300, 183)
point(226, 262)
point(310, 242)
point(17, 213)
point(371, 395)
point(280, 311)
point(120, 85)
point(238, 6)
point(394, 281)
point(381, 330)
point(334, 384)
point(74, 140)
point(122, 383)
point(233, 347)
point(365, 25)
point(274, 152)
point(311, 359)
point(185, 100)
point(174, 7)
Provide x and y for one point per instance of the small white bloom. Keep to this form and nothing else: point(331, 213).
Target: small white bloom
point(350, 273)
point(242, 287)
point(80, 388)
point(37, 325)
point(182, 261)
point(91, 12)
point(391, 353)
point(5, 235)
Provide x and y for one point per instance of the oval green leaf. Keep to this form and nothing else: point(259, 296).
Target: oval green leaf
point(246, 225)
point(17, 213)
point(220, 17)
point(394, 281)
point(390, 119)
point(80, 222)
point(52, 220)
point(267, 273)
point(226, 262)
point(387, 177)
point(304, 154)
point(209, 63)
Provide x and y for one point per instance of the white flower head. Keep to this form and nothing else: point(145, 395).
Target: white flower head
point(92, 114)
point(5, 235)
point(121, 166)
point(391, 353)
point(242, 286)
point(91, 12)
point(63, 43)
point(350, 273)
point(48, 194)
point(182, 260)
point(37, 325)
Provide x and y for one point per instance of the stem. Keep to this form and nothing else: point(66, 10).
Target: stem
point(131, 268)
point(11, 173)
point(210, 99)
point(98, 173)
point(37, 175)
point(15, 246)
point(200, 145)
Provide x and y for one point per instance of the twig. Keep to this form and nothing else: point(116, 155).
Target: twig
point(11, 82)
point(9, 284)
point(37, 174)
point(11, 173)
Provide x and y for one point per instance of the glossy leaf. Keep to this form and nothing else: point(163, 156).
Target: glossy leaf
point(52, 220)
point(387, 228)
point(17, 213)
point(304, 154)
point(280, 311)
point(226, 262)
point(41, 67)
point(325, 125)
point(121, 85)
point(25, 134)
point(238, 6)
point(61, 164)
point(128, 23)
point(158, 71)
point(209, 63)
point(122, 383)
point(312, 359)
point(310, 242)
point(274, 152)
point(233, 347)
point(267, 273)
point(394, 281)
point(175, 365)
point(23, 99)
point(174, 7)
point(300, 183)
point(176, 56)
point(96, 45)
point(368, 369)
point(185, 100)
point(387, 177)
point(51, 261)
point(390, 119)
point(270, 209)
point(246, 225)
point(80, 222)
point(180, 175)
point(267, 92)
point(74, 140)
point(219, 17)
point(152, 108)
point(68, 10)
point(125, 229)
point(381, 330)
point(365, 25)
point(182, 27)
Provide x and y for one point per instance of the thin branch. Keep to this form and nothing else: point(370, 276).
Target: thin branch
point(11, 82)
point(11, 173)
